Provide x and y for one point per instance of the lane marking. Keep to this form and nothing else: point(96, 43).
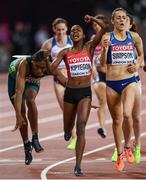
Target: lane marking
point(90, 126)
point(40, 107)
point(17, 160)
point(48, 119)
point(12, 162)
point(42, 120)
point(44, 171)
point(50, 137)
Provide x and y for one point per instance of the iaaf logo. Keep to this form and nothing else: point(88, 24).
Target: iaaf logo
point(122, 48)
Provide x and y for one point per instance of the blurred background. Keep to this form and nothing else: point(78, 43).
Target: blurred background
point(26, 24)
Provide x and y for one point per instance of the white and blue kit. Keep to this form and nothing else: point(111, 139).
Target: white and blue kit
point(121, 53)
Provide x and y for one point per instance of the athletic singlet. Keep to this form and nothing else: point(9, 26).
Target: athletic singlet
point(96, 55)
point(56, 49)
point(121, 52)
point(30, 77)
point(78, 64)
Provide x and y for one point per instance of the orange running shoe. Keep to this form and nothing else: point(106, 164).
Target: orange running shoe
point(120, 164)
point(129, 155)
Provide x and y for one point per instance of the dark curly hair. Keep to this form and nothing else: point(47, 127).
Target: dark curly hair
point(38, 56)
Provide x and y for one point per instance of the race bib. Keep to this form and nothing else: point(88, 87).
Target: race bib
point(122, 54)
point(80, 69)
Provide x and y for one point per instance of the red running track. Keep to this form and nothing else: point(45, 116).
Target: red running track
point(56, 162)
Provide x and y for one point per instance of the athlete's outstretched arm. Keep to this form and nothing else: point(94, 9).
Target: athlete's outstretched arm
point(57, 61)
point(97, 38)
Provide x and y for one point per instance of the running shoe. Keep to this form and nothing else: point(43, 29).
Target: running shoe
point(137, 154)
point(28, 153)
point(36, 144)
point(72, 144)
point(120, 164)
point(67, 136)
point(115, 155)
point(129, 155)
point(102, 132)
point(77, 171)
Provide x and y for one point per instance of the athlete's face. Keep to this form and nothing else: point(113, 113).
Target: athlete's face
point(119, 21)
point(76, 33)
point(38, 68)
point(128, 25)
point(60, 30)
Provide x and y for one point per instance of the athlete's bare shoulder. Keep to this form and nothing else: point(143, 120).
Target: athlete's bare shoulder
point(134, 35)
point(47, 45)
point(22, 66)
point(137, 39)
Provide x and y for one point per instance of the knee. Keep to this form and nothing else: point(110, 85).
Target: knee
point(81, 128)
point(30, 101)
point(136, 119)
point(126, 116)
point(117, 122)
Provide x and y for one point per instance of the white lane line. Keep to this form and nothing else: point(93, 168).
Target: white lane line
point(44, 172)
point(40, 107)
point(41, 139)
point(50, 137)
point(42, 120)
point(48, 119)
point(108, 121)
point(17, 160)
point(13, 162)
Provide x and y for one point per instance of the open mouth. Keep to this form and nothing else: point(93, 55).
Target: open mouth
point(75, 36)
point(121, 24)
